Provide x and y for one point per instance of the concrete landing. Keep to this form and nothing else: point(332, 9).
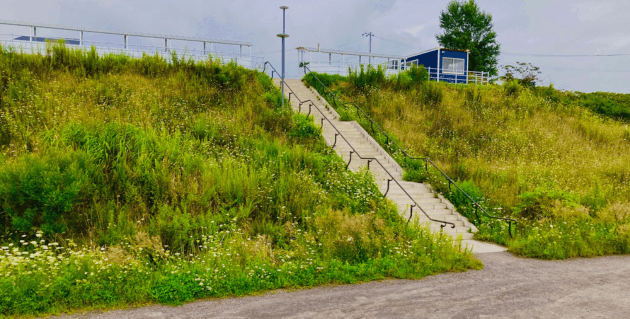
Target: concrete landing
point(480, 247)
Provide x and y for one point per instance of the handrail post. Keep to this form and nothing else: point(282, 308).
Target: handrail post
point(387, 191)
point(477, 214)
point(368, 164)
point(410, 212)
point(350, 160)
point(335, 143)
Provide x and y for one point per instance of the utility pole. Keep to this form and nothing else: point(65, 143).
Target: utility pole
point(369, 34)
point(283, 35)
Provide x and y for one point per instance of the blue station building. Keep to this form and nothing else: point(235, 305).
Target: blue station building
point(446, 65)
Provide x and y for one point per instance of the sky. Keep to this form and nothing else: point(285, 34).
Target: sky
point(525, 29)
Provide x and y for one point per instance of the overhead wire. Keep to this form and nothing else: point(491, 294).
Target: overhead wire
point(565, 55)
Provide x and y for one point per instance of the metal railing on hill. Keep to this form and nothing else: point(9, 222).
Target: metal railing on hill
point(391, 143)
point(38, 45)
point(354, 151)
point(438, 75)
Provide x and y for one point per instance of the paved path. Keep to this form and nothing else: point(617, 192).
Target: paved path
point(508, 287)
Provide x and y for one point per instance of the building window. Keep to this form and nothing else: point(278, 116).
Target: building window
point(410, 63)
point(453, 66)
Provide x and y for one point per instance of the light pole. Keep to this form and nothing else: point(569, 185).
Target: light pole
point(369, 34)
point(283, 35)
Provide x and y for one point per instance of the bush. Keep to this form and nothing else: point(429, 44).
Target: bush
point(512, 88)
point(38, 193)
point(305, 129)
point(544, 203)
point(432, 93)
point(609, 104)
point(364, 79)
point(418, 73)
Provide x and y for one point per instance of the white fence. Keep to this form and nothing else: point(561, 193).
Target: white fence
point(440, 75)
point(24, 43)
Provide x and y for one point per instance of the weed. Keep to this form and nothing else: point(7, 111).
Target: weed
point(127, 181)
point(536, 154)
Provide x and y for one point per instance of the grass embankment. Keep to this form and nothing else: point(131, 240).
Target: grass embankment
point(131, 181)
point(537, 155)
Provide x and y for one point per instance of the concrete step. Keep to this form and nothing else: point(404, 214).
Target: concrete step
point(403, 206)
point(396, 196)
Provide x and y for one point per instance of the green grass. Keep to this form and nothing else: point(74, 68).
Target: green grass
point(558, 167)
point(141, 180)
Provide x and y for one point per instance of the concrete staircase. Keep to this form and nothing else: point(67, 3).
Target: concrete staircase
point(436, 206)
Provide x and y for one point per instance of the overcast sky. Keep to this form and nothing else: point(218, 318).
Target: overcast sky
point(401, 27)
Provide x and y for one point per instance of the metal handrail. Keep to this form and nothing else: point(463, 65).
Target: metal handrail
point(369, 159)
point(407, 156)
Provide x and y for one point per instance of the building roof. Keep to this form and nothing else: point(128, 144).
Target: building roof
point(132, 34)
point(434, 49)
point(43, 39)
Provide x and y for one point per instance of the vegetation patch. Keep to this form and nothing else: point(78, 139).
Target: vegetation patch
point(139, 180)
point(530, 153)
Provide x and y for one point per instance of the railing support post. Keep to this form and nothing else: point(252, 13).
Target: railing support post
point(477, 214)
point(335, 143)
point(411, 212)
point(368, 164)
point(387, 191)
point(349, 160)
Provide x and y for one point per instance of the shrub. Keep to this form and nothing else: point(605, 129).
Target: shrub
point(418, 73)
point(512, 88)
point(305, 129)
point(544, 203)
point(38, 193)
point(609, 104)
point(364, 79)
point(432, 93)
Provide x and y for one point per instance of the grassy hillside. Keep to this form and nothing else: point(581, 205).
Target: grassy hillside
point(131, 181)
point(532, 154)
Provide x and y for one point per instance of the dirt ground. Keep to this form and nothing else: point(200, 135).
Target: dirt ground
point(508, 287)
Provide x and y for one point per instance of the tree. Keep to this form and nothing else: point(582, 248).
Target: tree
point(466, 27)
point(524, 73)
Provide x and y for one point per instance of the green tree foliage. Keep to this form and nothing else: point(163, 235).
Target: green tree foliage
point(466, 27)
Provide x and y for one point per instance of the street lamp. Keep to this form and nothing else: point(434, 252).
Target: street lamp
point(283, 35)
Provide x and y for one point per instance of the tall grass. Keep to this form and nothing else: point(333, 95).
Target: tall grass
point(129, 180)
point(519, 152)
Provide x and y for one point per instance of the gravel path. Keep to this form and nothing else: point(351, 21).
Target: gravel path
point(508, 287)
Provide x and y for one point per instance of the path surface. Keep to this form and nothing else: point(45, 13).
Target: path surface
point(508, 287)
